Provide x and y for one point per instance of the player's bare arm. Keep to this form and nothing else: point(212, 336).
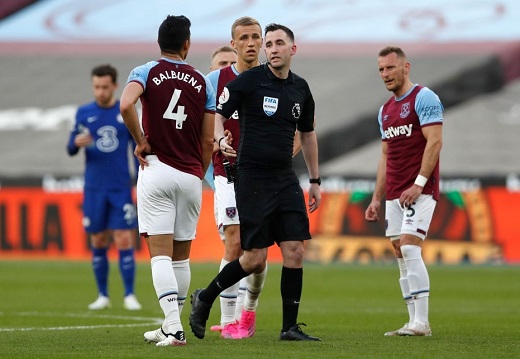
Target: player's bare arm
point(371, 213)
point(208, 126)
point(433, 136)
point(129, 98)
point(223, 140)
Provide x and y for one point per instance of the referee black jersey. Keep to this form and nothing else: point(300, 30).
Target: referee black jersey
point(269, 110)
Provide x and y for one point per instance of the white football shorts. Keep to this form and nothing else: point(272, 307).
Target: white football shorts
point(414, 220)
point(225, 204)
point(215, 213)
point(168, 200)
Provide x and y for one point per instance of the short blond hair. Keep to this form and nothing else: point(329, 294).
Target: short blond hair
point(244, 21)
point(220, 49)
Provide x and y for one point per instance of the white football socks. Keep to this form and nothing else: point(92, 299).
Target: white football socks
point(182, 272)
point(242, 288)
point(255, 284)
point(166, 288)
point(405, 289)
point(418, 280)
point(228, 300)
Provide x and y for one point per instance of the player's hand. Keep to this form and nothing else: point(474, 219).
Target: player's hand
point(409, 196)
point(314, 197)
point(225, 145)
point(227, 134)
point(372, 210)
point(141, 151)
point(83, 140)
point(229, 137)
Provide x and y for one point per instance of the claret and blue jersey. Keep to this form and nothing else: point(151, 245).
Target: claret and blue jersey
point(219, 79)
point(401, 120)
point(170, 89)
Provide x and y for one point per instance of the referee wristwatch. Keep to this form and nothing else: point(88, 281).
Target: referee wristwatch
point(315, 180)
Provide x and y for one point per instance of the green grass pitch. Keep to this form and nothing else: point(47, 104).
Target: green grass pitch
point(474, 313)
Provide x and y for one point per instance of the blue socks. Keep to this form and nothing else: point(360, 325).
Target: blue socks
point(100, 267)
point(127, 269)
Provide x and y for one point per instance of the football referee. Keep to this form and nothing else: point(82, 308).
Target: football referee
point(272, 102)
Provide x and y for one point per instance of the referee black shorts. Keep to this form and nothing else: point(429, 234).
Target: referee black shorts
point(271, 208)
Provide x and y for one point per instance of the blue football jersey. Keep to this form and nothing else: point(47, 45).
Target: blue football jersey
point(107, 158)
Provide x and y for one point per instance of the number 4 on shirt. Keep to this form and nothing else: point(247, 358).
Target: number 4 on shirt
point(176, 115)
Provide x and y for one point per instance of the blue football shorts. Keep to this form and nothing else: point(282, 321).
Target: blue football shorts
point(108, 209)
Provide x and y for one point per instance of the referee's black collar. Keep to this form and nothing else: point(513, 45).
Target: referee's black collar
point(290, 77)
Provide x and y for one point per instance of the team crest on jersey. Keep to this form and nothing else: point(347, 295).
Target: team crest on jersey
point(405, 110)
point(296, 111)
point(270, 105)
point(231, 212)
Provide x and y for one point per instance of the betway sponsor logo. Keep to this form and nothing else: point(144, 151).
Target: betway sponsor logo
point(392, 132)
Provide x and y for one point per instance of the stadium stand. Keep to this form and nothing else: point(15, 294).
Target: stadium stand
point(42, 82)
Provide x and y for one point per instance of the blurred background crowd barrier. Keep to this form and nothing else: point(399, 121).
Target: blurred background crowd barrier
point(466, 51)
point(471, 225)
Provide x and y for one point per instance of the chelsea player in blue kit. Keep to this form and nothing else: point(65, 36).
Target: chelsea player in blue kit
point(108, 208)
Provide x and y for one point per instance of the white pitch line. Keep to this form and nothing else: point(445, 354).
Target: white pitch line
point(149, 321)
point(78, 315)
point(76, 327)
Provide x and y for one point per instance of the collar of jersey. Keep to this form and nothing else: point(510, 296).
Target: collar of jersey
point(289, 78)
point(173, 61)
point(234, 69)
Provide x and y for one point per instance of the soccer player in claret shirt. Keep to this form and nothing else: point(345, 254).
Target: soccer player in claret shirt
point(174, 149)
point(108, 209)
point(222, 56)
point(238, 305)
point(408, 176)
